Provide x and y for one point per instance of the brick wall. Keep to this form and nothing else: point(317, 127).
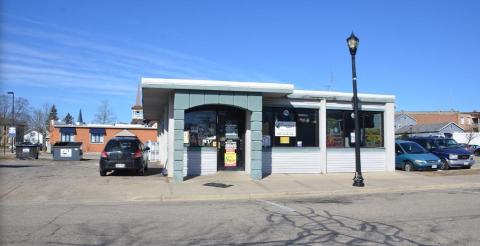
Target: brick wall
point(83, 135)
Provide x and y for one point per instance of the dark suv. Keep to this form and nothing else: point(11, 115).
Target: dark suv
point(124, 153)
point(448, 150)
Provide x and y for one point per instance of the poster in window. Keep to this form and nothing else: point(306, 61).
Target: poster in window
point(285, 129)
point(284, 140)
point(186, 137)
point(230, 158)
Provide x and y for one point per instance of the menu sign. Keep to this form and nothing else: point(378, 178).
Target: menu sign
point(285, 129)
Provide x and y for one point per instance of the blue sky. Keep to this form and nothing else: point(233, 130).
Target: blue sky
point(77, 53)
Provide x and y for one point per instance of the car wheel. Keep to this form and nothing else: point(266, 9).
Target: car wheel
point(477, 152)
point(103, 172)
point(467, 167)
point(408, 167)
point(445, 164)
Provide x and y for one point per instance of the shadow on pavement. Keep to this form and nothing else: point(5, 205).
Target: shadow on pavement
point(152, 171)
point(19, 166)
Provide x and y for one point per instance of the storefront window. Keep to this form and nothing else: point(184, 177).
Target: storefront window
point(290, 127)
point(341, 129)
point(200, 128)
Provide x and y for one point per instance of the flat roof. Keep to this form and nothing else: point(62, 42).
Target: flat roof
point(117, 126)
point(340, 96)
point(216, 85)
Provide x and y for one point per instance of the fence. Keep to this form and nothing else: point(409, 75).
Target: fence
point(154, 153)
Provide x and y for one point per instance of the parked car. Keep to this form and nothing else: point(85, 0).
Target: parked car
point(448, 150)
point(124, 153)
point(410, 156)
point(476, 150)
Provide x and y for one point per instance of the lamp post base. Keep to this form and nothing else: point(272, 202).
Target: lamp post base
point(358, 180)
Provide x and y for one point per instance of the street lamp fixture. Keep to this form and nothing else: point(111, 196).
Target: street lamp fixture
point(13, 114)
point(353, 42)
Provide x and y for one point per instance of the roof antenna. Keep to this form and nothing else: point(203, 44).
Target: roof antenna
point(332, 80)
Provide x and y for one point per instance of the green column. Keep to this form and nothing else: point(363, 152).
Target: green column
point(180, 103)
point(255, 106)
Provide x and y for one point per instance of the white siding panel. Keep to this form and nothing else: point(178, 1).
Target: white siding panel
point(344, 161)
point(197, 162)
point(291, 161)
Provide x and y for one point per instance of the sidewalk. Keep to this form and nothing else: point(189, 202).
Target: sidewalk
point(45, 180)
point(239, 186)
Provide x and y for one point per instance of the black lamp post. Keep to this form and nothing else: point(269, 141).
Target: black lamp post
point(352, 42)
point(13, 114)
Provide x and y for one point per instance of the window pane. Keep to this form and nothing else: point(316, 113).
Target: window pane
point(372, 125)
point(200, 128)
point(341, 129)
point(335, 128)
point(307, 127)
point(290, 127)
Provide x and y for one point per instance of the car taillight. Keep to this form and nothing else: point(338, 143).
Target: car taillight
point(104, 154)
point(137, 154)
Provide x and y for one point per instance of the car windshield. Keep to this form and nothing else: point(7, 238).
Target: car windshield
point(413, 148)
point(123, 145)
point(447, 143)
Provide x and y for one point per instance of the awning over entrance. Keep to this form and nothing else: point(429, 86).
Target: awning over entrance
point(99, 131)
point(68, 130)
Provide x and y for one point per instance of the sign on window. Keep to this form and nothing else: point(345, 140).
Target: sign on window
point(285, 129)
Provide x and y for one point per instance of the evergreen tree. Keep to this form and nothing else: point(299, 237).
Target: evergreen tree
point(80, 118)
point(52, 115)
point(68, 119)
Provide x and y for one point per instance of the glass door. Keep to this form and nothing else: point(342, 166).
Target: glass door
point(230, 136)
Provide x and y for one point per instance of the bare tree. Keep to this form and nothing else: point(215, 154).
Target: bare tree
point(470, 135)
point(22, 109)
point(104, 114)
point(39, 120)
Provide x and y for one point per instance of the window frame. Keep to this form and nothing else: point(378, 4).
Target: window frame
point(346, 114)
point(100, 136)
point(272, 113)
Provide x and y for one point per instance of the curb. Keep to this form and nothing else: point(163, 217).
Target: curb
point(289, 195)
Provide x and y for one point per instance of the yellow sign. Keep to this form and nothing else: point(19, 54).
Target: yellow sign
point(230, 159)
point(284, 140)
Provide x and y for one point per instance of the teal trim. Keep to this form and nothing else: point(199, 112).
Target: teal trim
point(178, 166)
point(211, 97)
point(197, 98)
point(226, 98)
point(181, 100)
point(179, 125)
point(178, 156)
point(256, 145)
point(240, 100)
point(256, 126)
point(179, 114)
point(218, 88)
point(256, 155)
point(185, 99)
point(178, 135)
point(256, 174)
point(257, 136)
point(178, 176)
point(255, 103)
point(256, 116)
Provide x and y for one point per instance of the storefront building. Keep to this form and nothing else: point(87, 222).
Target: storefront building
point(263, 128)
